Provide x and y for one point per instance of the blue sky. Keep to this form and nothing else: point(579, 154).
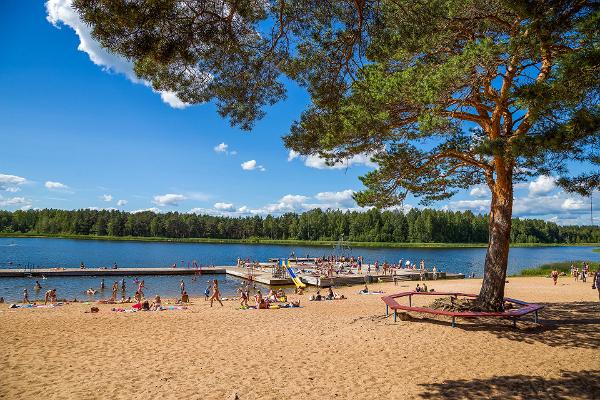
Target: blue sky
point(78, 130)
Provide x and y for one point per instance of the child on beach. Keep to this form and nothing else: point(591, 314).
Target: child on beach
point(216, 293)
point(554, 275)
point(243, 296)
point(156, 304)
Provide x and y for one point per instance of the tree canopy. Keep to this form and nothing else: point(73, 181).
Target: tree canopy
point(443, 94)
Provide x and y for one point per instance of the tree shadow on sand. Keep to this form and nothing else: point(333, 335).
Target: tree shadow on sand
point(575, 324)
point(570, 385)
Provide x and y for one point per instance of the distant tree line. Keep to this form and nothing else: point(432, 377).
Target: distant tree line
point(415, 226)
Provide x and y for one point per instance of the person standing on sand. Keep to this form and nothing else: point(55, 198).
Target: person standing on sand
point(597, 281)
point(115, 289)
point(123, 287)
point(182, 286)
point(216, 294)
point(554, 275)
point(576, 273)
point(25, 296)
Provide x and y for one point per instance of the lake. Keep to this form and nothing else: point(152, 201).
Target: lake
point(68, 253)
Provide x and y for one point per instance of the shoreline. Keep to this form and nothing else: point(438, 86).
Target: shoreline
point(271, 242)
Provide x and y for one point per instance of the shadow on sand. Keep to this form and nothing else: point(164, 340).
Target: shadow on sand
point(570, 325)
point(570, 385)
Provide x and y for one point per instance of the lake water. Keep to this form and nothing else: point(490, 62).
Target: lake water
point(50, 253)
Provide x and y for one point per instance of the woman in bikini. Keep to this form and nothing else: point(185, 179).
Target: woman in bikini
point(216, 293)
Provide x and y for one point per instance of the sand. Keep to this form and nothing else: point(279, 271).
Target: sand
point(343, 349)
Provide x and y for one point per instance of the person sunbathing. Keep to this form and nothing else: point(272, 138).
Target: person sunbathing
point(50, 296)
point(330, 294)
point(156, 304)
point(185, 298)
point(365, 290)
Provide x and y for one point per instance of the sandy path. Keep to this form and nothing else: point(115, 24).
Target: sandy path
point(342, 349)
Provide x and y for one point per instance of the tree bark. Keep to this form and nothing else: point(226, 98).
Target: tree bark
point(491, 296)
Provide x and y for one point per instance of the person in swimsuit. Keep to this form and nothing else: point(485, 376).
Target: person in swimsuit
point(37, 287)
point(25, 296)
point(115, 289)
point(597, 281)
point(182, 286)
point(554, 275)
point(50, 296)
point(216, 294)
point(102, 285)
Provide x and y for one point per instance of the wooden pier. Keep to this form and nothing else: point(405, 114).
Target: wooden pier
point(261, 275)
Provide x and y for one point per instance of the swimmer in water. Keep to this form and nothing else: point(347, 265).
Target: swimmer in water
point(37, 287)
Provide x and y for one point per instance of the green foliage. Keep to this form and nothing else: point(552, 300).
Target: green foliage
point(373, 226)
point(546, 269)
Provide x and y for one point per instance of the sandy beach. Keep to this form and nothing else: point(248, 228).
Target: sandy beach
point(344, 349)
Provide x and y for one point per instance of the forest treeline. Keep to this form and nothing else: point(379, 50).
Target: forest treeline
point(415, 226)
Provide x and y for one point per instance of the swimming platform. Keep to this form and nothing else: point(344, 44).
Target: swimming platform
point(263, 275)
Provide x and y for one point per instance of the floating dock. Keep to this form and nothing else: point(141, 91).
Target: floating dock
point(261, 275)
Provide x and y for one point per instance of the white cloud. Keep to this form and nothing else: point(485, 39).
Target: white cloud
point(481, 206)
point(169, 199)
point(221, 148)
point(572, 204)
point(107, 197)
point(315, 161)
point(480, 191)
point(121, 203)
point(151, 209)
point(10, 183)
point(252, 165)
point(61, 12)
point(224, 206)
point(50, 185)
point(13, 201)
point(542, 185)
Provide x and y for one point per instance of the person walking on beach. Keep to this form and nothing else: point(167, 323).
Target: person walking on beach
point(25, 296)
point(216, 294)
point(554, 275)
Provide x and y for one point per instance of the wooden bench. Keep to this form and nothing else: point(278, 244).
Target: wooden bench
point(526, 308)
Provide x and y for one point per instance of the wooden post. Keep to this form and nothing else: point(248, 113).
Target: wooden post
point(453, 321)
point(395, 314)
point(410, 300)
point(535, 318)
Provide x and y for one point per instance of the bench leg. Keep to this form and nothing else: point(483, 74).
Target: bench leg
point(395, 315)
point(514, 322)
point(453, 322)
point(387, 312)
point(535, 317)
point(410, 301)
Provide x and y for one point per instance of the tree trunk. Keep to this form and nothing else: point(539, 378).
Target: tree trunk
point(491, 296)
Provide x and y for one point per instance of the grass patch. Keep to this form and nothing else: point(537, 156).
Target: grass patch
point(546, 269)
point(291, 242)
